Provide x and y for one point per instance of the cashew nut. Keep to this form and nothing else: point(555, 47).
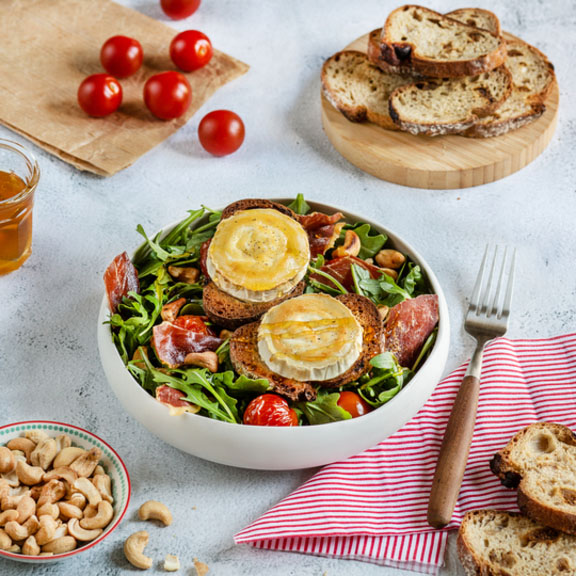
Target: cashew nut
point(68, 510)
point(206, 359)
point(27, 474)
point(77, 499)
point(7, 460)
point(44, 453)
point(134, 550)
point(30, 547)
point(171, 563)
point(388, 258)
point(25, 508)
point(85, 464)
point(15, 549)
point(154, 510)
point(10, 498)
point(351, 246)
point(188, 275)
point(102, 518)
point(23, 444)
point(47, 531)
point(86, 487)
point(390, 272)
point(98, 471)
point(74, 529)
point(169, 311)
point(8, 516)
point(383, 311)
point(5, 540)
point(63, 472)
point(201, 568)
point(51, 492)
point(91, 510)
point(35, 435)
point(103, 484)
point(48, 509)
point(67, 455)
point(22, 531)
point(60, 545)
point(63, 441)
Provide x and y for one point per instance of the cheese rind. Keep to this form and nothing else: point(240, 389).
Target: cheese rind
point(313, 337)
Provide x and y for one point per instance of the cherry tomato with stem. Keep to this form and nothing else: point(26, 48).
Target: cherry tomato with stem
point(191, 50)
point(270, 410)
point(353, 403)
point(167, 95)
point(121, 56)
point(179, 9)
point(221, 132)
point(99, 95)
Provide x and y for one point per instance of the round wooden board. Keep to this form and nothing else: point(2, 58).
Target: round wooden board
point(441, 162)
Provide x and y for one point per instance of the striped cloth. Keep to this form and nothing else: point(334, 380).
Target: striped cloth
point(373, 506)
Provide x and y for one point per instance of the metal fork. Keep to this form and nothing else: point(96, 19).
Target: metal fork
point(487, 318)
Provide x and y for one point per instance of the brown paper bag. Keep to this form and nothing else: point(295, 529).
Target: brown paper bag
point(49, 46)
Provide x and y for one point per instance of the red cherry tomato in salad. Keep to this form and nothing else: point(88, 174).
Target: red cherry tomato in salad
point(179, 9)
point(121, 56)
point(99, 95)
point(353, 403)
point(270, 410)
point(167, 95)
point(191, 50)
point(221, 132)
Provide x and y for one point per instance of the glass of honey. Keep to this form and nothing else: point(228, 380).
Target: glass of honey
point(19, 175)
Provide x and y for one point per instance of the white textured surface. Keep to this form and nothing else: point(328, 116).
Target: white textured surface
point(49, 365)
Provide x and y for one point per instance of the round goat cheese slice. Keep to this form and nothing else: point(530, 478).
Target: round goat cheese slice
point(258, 255)
point(313, 337)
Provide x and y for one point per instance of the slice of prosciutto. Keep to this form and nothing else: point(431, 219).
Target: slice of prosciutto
point(174, 400)
point(120, 278)
point(173, 341)
point(341, 269)
point(321, 229)
point(408, 325)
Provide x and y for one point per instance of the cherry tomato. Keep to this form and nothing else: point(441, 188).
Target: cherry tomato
point(221, 132)
point(167, 95)
point(179, 9)
point(353, 403)
point(190, 50)
point(270, 410)
point(99, 95)
point(121, 56)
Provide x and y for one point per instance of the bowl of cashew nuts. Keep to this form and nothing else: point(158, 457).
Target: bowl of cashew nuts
point(62, 491)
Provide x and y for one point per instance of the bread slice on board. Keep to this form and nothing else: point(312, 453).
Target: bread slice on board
point(358, 89)
point(477, 17)
point(540, 460)
point(451, 106)
point(493, 543)
point(438, 46)
point(532, 79)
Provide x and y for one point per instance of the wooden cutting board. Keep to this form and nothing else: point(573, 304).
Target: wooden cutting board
point(441, 162)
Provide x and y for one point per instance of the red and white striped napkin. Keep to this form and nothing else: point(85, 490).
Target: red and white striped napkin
point(373, 506)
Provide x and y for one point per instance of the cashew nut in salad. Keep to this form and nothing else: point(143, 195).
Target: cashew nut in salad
point(206, 359)
point(154, 510)
point(7, 460)
point(134, 550)
point(389, 258)
point(351, 246)
point(188, 275)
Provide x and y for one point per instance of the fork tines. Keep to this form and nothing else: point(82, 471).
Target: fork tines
point(490, 298)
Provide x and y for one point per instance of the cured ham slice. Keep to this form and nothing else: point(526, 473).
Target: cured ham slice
point(173, 341)
point(341, 269)
point(120, 278)
point(321, 229)
point(408, 325)
point(174, 400)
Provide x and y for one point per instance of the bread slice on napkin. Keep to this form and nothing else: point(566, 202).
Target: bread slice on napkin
point(451, 106)
point(439, 46)
point(540, 460)
point(493, 543)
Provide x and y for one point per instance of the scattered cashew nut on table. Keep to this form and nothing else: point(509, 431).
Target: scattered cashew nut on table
point(154, 510)
point(134, 550)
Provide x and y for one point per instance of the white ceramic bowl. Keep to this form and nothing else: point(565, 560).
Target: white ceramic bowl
point(111, 462)
point(281, 448)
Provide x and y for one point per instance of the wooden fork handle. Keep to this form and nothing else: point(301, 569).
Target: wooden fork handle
point(454, 454)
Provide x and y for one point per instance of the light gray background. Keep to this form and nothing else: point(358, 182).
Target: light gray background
point(49, 364)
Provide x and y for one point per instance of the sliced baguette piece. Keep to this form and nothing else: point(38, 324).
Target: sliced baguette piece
point(532, 79)
point(479, 18)
point(451, 106)
point(358, 89)
point(494, 543)
point(540, 460)
point(438, 46)
point(374, 52)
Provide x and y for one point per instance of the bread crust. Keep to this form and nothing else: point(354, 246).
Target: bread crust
point(560, 520)
point(257, 203)
point(406, 53)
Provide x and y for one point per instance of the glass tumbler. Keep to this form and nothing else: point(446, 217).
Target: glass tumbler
point(19, 175)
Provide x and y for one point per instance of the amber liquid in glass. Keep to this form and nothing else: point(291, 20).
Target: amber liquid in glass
point(15, 223)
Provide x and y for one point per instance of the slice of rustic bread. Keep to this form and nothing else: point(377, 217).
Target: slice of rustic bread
point(450, 106)
point(358, 89)
point(477, 17)
point(493, 543)
point(439, 46)
point(540, 460)
point(532, 78)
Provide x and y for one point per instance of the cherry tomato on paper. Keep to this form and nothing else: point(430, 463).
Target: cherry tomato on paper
point(221, 132)
point(270, 410)
point(179, 9)
point(121, 56)
point(191, 50)
point(99, 95)
point(167, 95)
point(353, 403)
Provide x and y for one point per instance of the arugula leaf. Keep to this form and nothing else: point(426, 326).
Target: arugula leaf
point(371, 243)
point(338, 288)
point(384, 381)
point(384, 291)
point(300, 206)
point(242, 383)
point(358, 275)
point(324, 409)
point(413, 282)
